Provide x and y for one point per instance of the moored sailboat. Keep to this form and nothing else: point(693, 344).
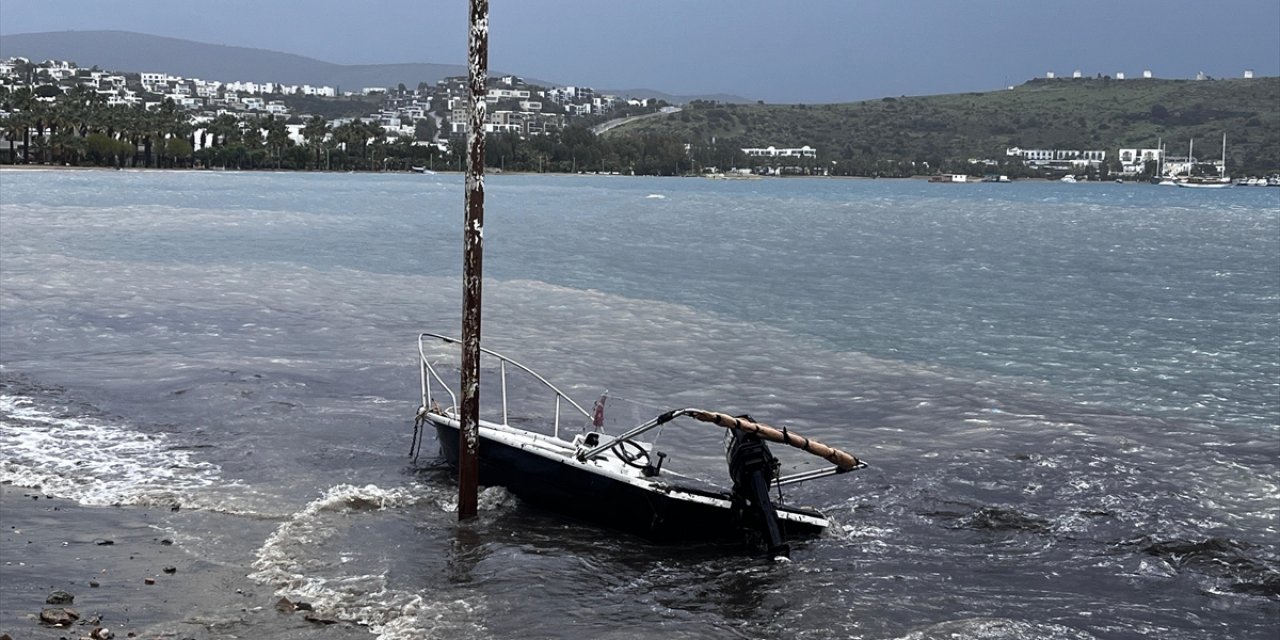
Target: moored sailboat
point(1219, 181)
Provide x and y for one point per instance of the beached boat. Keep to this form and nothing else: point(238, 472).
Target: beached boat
point(618, 480)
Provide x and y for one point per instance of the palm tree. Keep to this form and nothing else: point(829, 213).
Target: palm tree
point(350, 136)
point(23, 101)
point(315, 132)
point(225, 129)
point(16, 127)
point(85, 108)
point(253, 140)
point(376, 138)
point(116, 119)
point(277, 138)
point(133, 125)
point(159, 125)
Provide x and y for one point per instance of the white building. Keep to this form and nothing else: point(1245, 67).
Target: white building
point(1134, 161)
point(328, 92)
point(494, 95)
point(774, 152)
point(1062, 159)
point(59, 69)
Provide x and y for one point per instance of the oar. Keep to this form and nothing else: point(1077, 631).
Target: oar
point(835, 456)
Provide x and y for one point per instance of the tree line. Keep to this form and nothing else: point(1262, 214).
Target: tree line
point(78, 128)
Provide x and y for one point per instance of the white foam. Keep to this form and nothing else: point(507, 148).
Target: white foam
point(95, 462)
point(997, 629)
point(287, 560)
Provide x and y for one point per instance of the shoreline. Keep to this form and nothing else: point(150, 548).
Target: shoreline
point(129, 575)
point(496, 173)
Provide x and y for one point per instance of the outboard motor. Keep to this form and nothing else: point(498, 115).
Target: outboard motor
point(752, 467)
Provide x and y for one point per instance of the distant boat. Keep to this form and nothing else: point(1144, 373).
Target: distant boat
point(996, 178)
point(950, 178)
point(1204, 183)
point(1069, 178)
point(423, 170)
point(1222, 180)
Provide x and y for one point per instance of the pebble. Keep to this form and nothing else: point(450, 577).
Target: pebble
point(60, 597)
point(170, 569)
point(320, 619)
point(59, 616)
point(149, 580)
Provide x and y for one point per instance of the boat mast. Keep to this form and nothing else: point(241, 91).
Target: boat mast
point(1160, 158)
point(472, 265)
point(1223, 171)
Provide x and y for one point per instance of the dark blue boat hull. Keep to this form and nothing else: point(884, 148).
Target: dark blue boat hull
point(572, 491)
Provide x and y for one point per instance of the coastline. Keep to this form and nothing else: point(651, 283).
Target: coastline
point(493, 173)
point(128, 575)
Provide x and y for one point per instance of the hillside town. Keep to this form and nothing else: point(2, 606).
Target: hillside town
point(513, 105)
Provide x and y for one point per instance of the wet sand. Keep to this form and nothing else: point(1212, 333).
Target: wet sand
point(147, 585)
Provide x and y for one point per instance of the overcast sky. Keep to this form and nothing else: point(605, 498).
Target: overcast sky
point(774, 50)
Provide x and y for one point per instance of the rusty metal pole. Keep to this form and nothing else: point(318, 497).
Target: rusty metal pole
point(472, 263)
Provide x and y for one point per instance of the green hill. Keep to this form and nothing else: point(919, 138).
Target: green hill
point(864, 137)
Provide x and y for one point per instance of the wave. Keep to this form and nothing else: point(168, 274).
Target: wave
point(93, 461)
point(289, 560)
point(996, 629)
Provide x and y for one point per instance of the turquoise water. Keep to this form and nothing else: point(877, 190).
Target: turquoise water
point(1069, 394)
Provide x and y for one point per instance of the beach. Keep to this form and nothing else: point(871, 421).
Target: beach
point(131, 577)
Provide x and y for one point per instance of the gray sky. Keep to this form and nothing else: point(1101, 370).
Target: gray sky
point(774, 50)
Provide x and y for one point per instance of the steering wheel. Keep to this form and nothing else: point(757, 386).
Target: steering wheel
point(631, 453)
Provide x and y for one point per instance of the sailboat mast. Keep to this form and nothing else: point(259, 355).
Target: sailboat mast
point(1224, 154)
point(1160, 158)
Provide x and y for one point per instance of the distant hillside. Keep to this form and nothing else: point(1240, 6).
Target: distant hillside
point(674, 99)
point(1041, 114)
point(138, 52)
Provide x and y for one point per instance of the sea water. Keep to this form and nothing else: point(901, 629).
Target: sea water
point(1068, 395)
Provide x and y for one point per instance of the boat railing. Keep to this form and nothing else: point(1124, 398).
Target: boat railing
point(429, 374)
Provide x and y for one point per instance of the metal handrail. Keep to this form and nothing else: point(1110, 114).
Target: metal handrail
point(429, 372)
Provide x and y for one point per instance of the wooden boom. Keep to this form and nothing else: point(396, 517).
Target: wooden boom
point(844, 461)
